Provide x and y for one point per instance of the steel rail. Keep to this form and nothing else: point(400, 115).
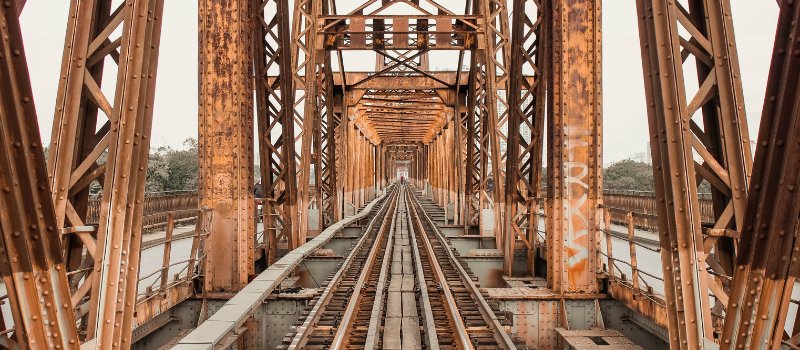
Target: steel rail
point(430, 325)
point(377, 306)
point(212, 335)
point(453, 313)
point(499, 331)
point(342, 332)
point(304, 331)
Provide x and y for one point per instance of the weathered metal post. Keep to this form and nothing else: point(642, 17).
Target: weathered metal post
point(167, 252)
point(609, 244)
point(575, 164)
point(632, 249)
point(225, 144)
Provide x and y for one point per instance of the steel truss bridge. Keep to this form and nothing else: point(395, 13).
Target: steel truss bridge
point(478, 247)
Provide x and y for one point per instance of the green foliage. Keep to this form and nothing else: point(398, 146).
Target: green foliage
point(628, 174)
point(633, 175)
point(171, 169)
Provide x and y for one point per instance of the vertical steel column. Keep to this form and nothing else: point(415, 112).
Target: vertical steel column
point(343, 159)
point(493, 58)
point(721, 145)
point(472, 171)
point(767, 265)
point(311, 65)
point(275, 123)
point(577, 145)
point(31, 262)
point(460, 164)
point(330, 125)
point(226, 140)
point(524, 156)
point(340, 138)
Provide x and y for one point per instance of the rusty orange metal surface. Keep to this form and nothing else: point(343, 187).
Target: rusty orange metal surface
point(334, 135)
point(575, 153)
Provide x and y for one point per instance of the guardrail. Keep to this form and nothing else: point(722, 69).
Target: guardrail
point(172, 283)
point(156, 206)
point(643, 205)
point(637, 290)
point(618, 202)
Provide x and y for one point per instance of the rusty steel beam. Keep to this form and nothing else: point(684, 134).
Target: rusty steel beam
point(274, 99)
point(225, 145)
point(524, 156)
point(309, 59)
point(107, 266)
point(390, 82)
point(491, 74)
point(325, 133)
point(329, 124)
point(575, 148)
point(397, 32)
point(459, 145)
point(31, 263)
point(722, 144)
point(76, 145)
point(473, 160)
point(767, 265)
point(119, 230)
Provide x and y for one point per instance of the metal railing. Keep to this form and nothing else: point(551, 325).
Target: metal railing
point(8, 334)
point(202, 220)
point(156, 205)
point(643, 205)
point(637, 283)
point(618, 202)
point(172, 282)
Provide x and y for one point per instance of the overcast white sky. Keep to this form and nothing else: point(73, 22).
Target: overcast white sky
point(625, 120)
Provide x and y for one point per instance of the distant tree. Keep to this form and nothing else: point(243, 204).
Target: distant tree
point(171, 169)
point(628, 174)
point(633, 175)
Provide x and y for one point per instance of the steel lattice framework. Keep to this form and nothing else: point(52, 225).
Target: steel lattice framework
point(331, 139)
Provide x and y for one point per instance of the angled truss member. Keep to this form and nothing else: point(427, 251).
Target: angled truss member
point(31, 263)
point(688, 250)
point(104, 283)
point(767, 265)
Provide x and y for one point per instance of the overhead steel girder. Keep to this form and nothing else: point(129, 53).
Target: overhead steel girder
point(767, 266)
point(109, 274)
point(31, 262)
point(722, 144)
point(225, 144)
point(400, 32)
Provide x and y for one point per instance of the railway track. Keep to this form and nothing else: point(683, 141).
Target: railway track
point(401, 287)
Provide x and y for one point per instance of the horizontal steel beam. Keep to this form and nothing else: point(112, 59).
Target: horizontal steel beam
point(417, 82)
point(360, 32)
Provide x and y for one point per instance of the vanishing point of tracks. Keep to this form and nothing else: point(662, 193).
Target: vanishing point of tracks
point(401, 287)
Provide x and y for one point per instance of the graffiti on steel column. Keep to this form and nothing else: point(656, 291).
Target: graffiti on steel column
point(576, 239)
